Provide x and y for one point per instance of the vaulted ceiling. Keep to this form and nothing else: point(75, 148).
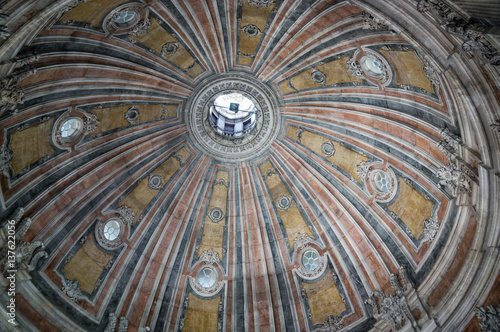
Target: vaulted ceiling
point(366, 197)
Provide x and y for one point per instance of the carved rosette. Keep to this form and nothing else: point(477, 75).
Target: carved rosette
point(169, 48)
point(216, 214)
point(155, 182)
point(284, 202)
point(251, 30)
point(10, 94)
point(328, 149)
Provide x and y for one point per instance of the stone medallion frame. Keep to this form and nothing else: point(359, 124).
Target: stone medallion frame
point(256, 141)
point(206, 291)
point(110, 245)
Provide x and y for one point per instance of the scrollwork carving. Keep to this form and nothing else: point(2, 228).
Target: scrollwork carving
point(490, 320)
point(72, 289)
point(471, 33)
point(371, 22)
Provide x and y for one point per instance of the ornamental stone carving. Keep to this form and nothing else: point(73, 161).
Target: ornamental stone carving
point(328, 149)
point(251, 30)
point(169, 48)
point(372, 23)
point(90, 123)
point(10, 94)
point(431, 227)
point(210, 257)
point(490, 319)
point(72, 289)
point(126, 214)
point(496, 125)
point(112, 320)
point(393, 308)
point(216, 214)
point(301, 241)
point(6, 155)
point(71, 5)
point(141, 28)
point(261, 3)
point(455, 179)
point(284, 202)
point(363, 169)
point(4, 30)
point(333, 324)
point(132, 114)
point(450, 144)
point(123, 326)
point(318, 76)
point(471, 34)
point(354, 67)
point(155, 182)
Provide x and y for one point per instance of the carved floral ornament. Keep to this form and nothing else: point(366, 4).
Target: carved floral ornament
point(471, 33)
point(27, 254)
point(394, 308)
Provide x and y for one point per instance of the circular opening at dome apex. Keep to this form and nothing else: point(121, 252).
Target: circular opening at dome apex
point(232, 114)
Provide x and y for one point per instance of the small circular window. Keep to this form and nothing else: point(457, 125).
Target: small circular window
point(232, 114)
point(71, 128)
point(381, 181)
point(310, 260)
point(111, 230)
point(372, 67)
point(125, 17)
point(207, 277)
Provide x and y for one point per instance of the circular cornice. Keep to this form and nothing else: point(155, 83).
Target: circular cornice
point(256, 141)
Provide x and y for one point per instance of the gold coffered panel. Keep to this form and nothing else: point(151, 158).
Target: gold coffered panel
point(30, 144)
point(87, 265)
